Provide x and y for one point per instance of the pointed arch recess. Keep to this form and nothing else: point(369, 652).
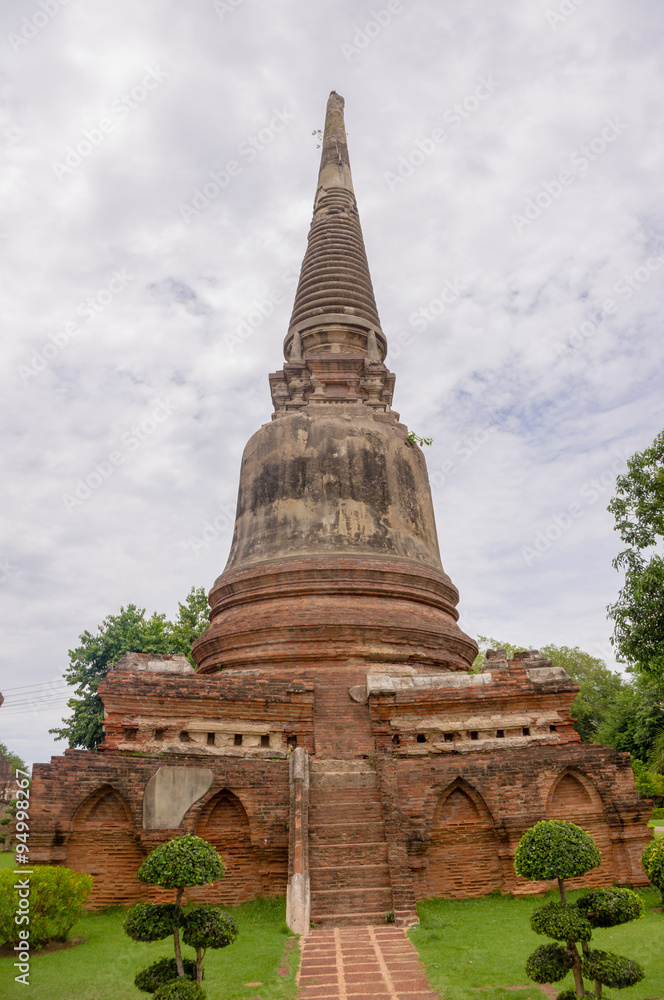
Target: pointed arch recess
point(574, 797)
point(462, 859)
point(103, 843)
point(224, 823)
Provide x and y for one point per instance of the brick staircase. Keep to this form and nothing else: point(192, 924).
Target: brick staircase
point(350, 881)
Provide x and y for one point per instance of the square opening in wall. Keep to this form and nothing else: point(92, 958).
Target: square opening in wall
point(449, 737)
point(130, 733)
point(184, 737)
point(500, 734)
point(265, 740)
point(474, 735)
point(210, 739)
point(159, 734)
point(526, 731)
point(237, 740)
point(291, 742)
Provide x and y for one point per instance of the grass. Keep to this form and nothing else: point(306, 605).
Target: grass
point(104, 967)
point(466, 944)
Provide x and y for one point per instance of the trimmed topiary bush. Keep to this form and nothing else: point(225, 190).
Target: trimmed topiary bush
point(556, 849)
point(562, 922)
point(612, 970)
point(652, 861)
point(176, 864)
point(549, 963)
point(152, 921)
point(180, 989)
point(163, 972)
point(207, 927)
point(609, 907)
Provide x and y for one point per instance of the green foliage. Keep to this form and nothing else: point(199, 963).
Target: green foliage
point(152, 921)
point(549, 963)
point(128, 631)
point(180, 989)
point(635, 717)
point(652, 861)
point(163, 972)
point(611, 970)
point(180, 862)
point(610, 907)
point(638, 509)
point(414, 438)
point(555, 849)
point(208, 927)
point(13, 758)
point(561, 921)
point(569, 994)
point(648, 785)
point(57, 901)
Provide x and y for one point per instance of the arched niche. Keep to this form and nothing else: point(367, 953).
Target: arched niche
point(462, 859)
point(574, 797)
point(103, 843)
point(224, 823)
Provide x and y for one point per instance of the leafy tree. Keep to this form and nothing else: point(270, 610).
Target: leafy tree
point(557, 849)
point(16, 762)
point(638, 509)
point(128, 631)
point(652, 860)
point(176, 864)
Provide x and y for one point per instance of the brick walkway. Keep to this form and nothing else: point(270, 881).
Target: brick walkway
point(354, 963)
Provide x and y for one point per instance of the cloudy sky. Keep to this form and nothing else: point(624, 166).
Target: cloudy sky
point(159, 172)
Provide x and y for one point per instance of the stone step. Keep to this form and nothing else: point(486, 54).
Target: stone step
point(376, 918)
point(349, 877)
point(346, 833)
point(337, 855)
point(327, 902)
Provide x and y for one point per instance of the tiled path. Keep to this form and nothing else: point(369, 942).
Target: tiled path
point(354, 963)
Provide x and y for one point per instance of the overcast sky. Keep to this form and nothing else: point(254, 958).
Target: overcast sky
point(507, 160)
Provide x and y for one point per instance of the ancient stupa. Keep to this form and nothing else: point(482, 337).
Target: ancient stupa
point(334, 743)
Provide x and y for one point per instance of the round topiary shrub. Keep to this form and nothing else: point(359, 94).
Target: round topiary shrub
point(610, 907)
point(181, 862)
point(555, 849)
point(152, 921)
point(561, 921)
point(652, 860)
point(612, 970)
point(180, 989)
point(163, 972)
point(549, 963)
point(208, 927)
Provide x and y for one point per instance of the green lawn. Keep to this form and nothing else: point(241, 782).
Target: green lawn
point(470, 943)
point(6, 859)
point(104, 967)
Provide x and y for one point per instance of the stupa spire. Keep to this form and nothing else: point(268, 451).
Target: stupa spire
point(334, 330)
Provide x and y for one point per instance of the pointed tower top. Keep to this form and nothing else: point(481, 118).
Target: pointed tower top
point(334, 331)
point(334, 161)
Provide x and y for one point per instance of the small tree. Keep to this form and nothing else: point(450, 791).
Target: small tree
point(177, 864)
point(652, 860)
point(556, 849)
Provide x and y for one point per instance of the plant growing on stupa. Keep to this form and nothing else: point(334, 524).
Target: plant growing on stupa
point(652, 860)
point(177, 864)
point(554, 849)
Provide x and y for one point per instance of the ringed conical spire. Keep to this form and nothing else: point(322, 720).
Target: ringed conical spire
point(335, 308)
point(335, 346)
